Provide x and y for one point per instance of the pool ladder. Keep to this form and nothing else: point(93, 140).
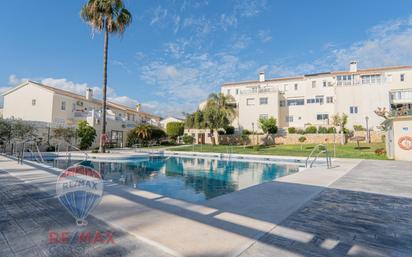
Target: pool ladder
point(20, 155)
point(322, 149)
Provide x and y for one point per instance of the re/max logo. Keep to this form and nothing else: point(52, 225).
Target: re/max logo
point(85, 237)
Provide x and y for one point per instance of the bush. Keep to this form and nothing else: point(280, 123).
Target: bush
point(268, 125)
point(144, 133)
point(311, 130)
point(358, 128)
point(322, 130)
point(246, 132)
point(380, 151)
point(244, 139)
point(86, 133)
point(331, 130)
point(188, 139)
point(175, 129)
point(230, 130)
point(302, 139)
point(291, 130)
point(95, 151)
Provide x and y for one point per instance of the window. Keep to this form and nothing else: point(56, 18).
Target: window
point(250, 101)
point(33, 102)
point(282, 103)
point(329, 99)
point(263, 100)
point(313, 84)
point(228, 91)
point(263, 116)
point(322, 116)
point(371, 79)
point(324, 83)
point(237, 91)
point(292, 102)
point(296, 86)
point(353, 109)
point(317, 99)
point(285, 87)
point(344, 80)
point(289, 118)
point(63, 106)
point(402, 77)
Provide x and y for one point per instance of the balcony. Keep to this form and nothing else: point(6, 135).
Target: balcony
point(401, 96)
point(401, 113)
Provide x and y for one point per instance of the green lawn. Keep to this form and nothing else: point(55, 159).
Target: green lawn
point(350, 150)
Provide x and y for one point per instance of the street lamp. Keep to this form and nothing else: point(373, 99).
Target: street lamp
point(367, 130)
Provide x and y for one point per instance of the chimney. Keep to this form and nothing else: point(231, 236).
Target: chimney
point(353, 66)
point(261, 76)
point(138, 107)
point(89, 94)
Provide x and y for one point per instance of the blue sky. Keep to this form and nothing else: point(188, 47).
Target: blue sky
point(177, 52)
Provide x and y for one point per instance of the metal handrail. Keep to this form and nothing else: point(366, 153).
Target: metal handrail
point(20, 157)
point(68, 153)
point(324, 151)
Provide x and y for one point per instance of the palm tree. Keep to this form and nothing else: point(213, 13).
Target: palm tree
point(143, 131)
point(219, 112)
point(111, 17)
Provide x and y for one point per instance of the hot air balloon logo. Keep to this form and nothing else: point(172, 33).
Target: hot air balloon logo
point(79, 189)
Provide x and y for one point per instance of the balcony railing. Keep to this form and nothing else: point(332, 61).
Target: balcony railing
point(401, 113)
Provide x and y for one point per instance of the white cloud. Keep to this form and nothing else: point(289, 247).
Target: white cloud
point(242, 42)
point(264, 36)
point(228, 21)
point(159, 15)
point(249, 8)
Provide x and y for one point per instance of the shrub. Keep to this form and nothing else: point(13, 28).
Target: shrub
point(50, 148)
point(380, 151)
point(86, 133)
point(322, 130)
point(230, 130)
point(268, 125)
point(358, 128)
point(188, 139)
point(244, 139)
point(246, 132)
point(175, 129)
point(143, 133)
point(311, 130)
point(331, 130)
point(95, 151)
point(302, 139)
point(291, 130)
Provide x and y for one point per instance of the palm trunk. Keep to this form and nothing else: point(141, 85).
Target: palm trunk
point(106, 46)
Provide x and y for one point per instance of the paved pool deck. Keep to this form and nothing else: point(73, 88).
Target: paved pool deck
point(359, 208)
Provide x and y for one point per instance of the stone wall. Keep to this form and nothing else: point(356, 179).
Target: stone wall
point(282, 139)
point(376, 136)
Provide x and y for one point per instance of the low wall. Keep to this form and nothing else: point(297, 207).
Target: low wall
point(282, 139)
point(376, 136)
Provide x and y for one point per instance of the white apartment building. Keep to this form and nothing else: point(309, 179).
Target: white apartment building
point(32, 101)
point(314, 98)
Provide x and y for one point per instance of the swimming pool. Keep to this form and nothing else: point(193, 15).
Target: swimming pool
point(185, 178)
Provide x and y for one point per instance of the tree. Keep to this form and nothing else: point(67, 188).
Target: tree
point(65, 134)
point(22, 130)
point(339, 121)
point(86, 133)
point(143, 133)
point(111, 17)
point(302, 139)
point(5, 131)
point(219, 112)
point(268, 126)
point(175, 129)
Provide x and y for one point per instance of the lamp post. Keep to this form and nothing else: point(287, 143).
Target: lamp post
point(368, 139)
point(253, 130)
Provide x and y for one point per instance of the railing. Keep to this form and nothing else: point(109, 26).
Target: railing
point(401, 113)
point(69, 154)
point(322, 149)
point(258, 90)
point(20, 156)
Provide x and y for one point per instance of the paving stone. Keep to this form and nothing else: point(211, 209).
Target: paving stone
point(368, 212)
point(27, 216)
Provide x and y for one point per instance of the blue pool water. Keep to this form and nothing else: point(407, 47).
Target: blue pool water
point(189, 179)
